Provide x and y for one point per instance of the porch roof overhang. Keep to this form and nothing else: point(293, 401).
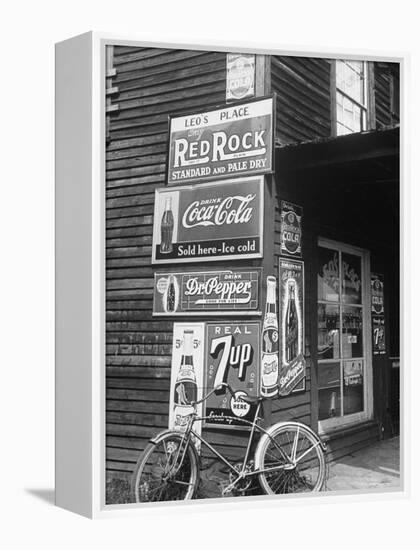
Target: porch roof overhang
point(371, 156)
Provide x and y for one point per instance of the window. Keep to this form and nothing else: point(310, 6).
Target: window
point(344, 363)
point(351, 96)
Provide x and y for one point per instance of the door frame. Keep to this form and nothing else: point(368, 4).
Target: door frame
point(327, 425)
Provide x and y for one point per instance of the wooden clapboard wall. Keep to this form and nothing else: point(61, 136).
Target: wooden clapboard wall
point(386, 90)
point(148, 84)
point(303, 93)
point(144, 86)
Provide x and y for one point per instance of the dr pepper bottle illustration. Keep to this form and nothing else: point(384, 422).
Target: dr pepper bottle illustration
point(291, 324)
point(171, 295)
point(270, 343)
point(186, 383)
point(167, 228)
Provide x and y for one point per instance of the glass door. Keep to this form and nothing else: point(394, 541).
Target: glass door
point(344, 351)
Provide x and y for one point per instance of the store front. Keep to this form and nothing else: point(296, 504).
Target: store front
point(351, 237)
point(334, 267)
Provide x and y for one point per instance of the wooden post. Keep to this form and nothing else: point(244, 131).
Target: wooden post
point(262, 88)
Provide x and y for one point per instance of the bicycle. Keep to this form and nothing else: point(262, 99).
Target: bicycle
point(288, 458)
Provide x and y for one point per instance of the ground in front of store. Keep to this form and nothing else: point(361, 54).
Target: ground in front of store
point(375, 468)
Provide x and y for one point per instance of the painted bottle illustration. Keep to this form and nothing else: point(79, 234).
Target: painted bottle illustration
point(167, 228)
point(291, 324)
point(270, 343)
point(171, 295)
point(186, 383)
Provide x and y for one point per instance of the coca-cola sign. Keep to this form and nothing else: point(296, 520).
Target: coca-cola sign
point(291, 229)
point(230, 141)
point(240, 76)
point(209, 221)
point(377, 286)
point(207, 292)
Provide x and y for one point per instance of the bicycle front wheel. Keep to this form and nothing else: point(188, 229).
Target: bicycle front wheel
point(167, 470)
point(291, 460)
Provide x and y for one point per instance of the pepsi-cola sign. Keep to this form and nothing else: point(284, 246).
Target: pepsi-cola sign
point(211, 221)
point(207, 292)
point(236, 140)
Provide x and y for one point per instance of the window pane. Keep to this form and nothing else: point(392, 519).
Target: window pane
point(328, 275)
point(328, 375)
point(352, 335)
point(353, 387)
point(329, 403)
point(328, 332)
point(350, 79)
point(351, 270)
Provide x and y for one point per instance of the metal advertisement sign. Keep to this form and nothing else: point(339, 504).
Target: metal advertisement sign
point(291, 229)
point(207, 292)
point(291, 305)
point(236, 140)
point(186, 373)
point(378, 330)
point(240, 76)
point(378, 314)
point(210, 222)
point(377, 286)
point(232, 356)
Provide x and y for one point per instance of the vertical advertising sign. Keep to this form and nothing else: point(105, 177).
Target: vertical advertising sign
point(210, 221)
point(240, 76)
point(291, 229)
point(291, 304)
point(186, 373)
point(270, 343)
point(232, 356)
point(378, 314)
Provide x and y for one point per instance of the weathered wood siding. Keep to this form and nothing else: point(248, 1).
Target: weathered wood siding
point(303, 93)
point(151, 84)
point(386, 84)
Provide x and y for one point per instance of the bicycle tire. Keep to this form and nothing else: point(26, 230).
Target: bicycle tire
point(156, 479)
point(304, 474)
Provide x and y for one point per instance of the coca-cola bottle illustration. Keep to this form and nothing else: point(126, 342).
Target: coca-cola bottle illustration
point(167, 228)
point(270, 343)
point(291, 324)
point(186, 383)
point(171, 295)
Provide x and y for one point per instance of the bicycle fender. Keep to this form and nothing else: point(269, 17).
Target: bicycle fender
point(271, 429)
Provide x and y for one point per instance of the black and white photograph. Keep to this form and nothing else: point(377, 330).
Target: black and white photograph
point(209, 325)
point(252, 274)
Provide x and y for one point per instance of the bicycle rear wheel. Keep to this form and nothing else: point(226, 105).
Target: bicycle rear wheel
point(292, 460)
point(167, 470)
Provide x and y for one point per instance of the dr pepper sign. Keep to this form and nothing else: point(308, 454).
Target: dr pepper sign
point(210, 221)
point(236, 140)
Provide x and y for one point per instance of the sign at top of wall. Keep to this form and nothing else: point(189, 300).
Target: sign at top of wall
point(233, 141)
point(240, 76)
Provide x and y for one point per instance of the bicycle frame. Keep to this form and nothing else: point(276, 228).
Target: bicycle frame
point(189, 433)
point(243, 473)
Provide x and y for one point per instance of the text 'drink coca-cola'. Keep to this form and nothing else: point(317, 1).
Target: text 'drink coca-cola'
point(209, 221)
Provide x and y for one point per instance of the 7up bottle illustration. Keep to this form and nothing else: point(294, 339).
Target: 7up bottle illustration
point(270, 343)
point(186, 383)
